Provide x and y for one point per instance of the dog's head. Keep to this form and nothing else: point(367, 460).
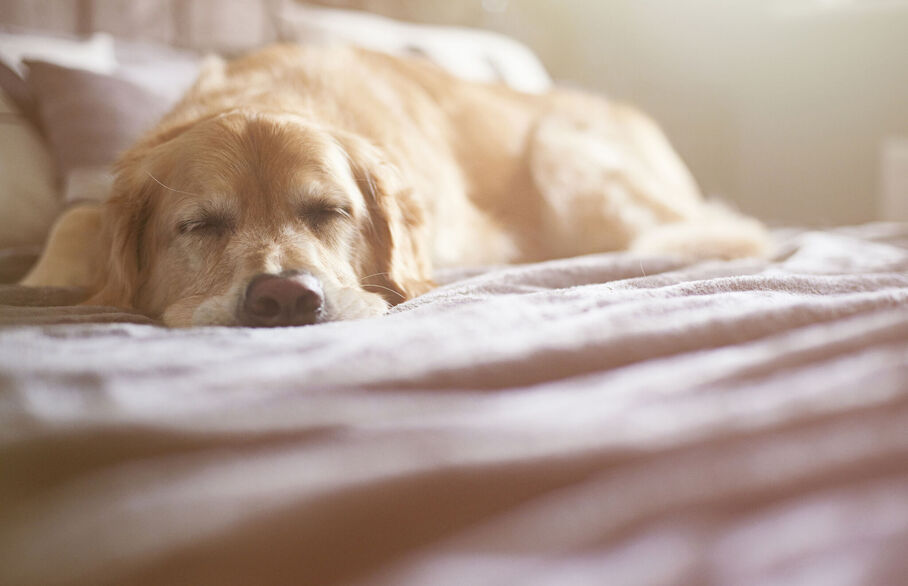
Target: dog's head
point(260, 219)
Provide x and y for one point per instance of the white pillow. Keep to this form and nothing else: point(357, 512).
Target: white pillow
point(471, 54)
point(28, 195)
point(93, 54)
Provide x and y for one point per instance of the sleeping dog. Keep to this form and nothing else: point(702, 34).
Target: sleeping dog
point(301, 185)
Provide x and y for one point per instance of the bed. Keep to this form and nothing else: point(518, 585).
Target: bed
point(611, 418)
point(617, 418)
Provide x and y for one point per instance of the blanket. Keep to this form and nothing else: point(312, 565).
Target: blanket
point(607, 419)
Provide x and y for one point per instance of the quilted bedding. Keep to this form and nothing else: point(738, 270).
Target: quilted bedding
point(609, 419)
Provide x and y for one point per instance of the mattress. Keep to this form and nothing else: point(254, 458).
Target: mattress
point(607, 419)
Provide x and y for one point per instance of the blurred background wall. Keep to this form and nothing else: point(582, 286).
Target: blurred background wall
point(784, 107)
point(796, 110)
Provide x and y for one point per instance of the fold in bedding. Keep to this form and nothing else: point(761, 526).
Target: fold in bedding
point(613, 418)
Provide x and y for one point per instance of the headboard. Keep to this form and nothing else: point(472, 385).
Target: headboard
point(207, 25)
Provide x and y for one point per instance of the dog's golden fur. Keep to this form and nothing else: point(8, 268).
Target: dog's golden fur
point(368, 171)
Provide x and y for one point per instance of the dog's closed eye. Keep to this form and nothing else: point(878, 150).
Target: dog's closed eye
point(322, 214)
point(206, 224)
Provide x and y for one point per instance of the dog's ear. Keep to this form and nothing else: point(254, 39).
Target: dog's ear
point(124, 220)
point(395, 236)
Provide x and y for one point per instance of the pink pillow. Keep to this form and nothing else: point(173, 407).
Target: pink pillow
point(89, 119)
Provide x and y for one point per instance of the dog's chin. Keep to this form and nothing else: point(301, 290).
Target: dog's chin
point(199, 311)
point(196, 311)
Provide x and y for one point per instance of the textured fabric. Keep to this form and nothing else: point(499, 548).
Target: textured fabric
point(91, 54)
point(211, 25)
point(15, 89)
point(28, 191)
point(608, 419)
point(16, 262)
point(235, 26)
point(471, 54)
point(90, 118)
point(227, 26)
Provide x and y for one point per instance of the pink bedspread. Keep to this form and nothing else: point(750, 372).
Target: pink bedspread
point(610, 419)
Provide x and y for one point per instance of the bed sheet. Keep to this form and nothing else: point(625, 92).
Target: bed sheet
point(607, 419)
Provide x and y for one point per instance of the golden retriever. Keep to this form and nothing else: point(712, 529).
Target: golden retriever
point(301, 185)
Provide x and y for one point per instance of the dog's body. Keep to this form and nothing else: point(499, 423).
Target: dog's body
point(305, 184)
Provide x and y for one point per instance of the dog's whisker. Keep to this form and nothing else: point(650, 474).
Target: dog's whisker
point(386, 289)
point(373, 275)
point(158, 181)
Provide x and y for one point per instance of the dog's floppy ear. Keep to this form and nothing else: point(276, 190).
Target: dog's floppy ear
point(395, 235)
point(124, 219)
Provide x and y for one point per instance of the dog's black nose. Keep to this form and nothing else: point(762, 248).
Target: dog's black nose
point(292, 298)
